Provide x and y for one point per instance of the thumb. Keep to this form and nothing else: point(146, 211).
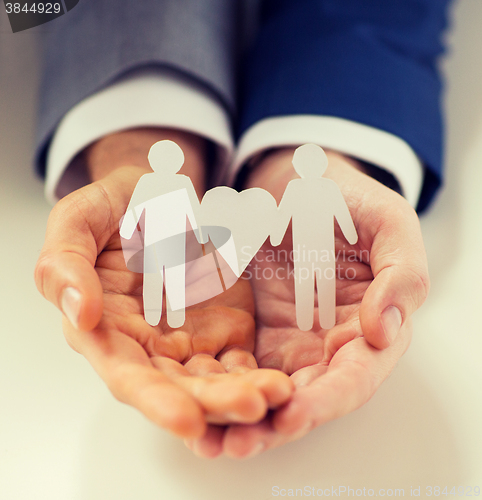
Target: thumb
point(401, 282)
point(68, 280)
point(79, 226)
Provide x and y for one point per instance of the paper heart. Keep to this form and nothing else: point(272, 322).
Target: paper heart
point(250, 216)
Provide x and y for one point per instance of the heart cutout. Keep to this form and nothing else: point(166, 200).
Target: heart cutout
point(249, 215)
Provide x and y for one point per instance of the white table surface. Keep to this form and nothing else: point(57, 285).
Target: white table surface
point(64, 437)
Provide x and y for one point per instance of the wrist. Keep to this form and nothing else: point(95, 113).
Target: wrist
point(131, 147)
point(273, 170)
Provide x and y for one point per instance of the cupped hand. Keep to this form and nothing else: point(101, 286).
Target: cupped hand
point(182, 379)
point(381, 281)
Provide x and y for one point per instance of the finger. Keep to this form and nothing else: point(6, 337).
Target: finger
point(275, 385)
point(126, 369)
point(70, 282)
point(241, 441)
point(224, 397)
point(401, 282)
point(79, 226)
point(201, 365)
point(210, 445)
point(355, 373)
point(304, 376)
point(247, 441)
point(237, 360)
point(65, 272)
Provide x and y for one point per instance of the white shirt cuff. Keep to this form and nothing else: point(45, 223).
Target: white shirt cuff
point(148, 97)
point(360, 141)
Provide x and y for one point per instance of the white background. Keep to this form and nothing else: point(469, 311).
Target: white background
point(64, 437)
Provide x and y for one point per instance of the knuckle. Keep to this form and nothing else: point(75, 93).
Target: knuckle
point(65, 206)
point(419, 282)
point(42, 271)
point(423, 284)
point(76, 208)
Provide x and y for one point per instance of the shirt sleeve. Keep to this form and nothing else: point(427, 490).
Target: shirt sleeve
point(157, 97)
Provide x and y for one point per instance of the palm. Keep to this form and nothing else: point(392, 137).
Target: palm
point(280, 344)
point(210, 327)
point(337, 370)
point(207, 364)
point(307, 356)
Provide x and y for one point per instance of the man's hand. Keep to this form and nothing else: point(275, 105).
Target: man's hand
point(181, 379)
point(381, 281)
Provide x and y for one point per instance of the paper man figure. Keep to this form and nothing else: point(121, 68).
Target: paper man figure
point(168, 201)
point(312, 203)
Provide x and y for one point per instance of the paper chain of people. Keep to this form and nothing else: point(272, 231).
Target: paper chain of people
point(236, 224)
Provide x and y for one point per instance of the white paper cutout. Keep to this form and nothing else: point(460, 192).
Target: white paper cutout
point(312, 203)
point(197, 250)
point(250, 216)
point(167, 200)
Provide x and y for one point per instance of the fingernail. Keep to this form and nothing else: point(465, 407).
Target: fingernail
point(391, 322)
point(256, 450)
point(71, 302)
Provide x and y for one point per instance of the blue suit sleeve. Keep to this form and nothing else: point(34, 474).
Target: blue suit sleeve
point(369, 61)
